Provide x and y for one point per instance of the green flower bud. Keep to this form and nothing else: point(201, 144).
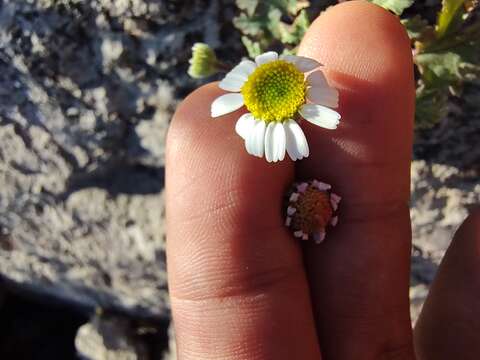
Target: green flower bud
point(203, 62)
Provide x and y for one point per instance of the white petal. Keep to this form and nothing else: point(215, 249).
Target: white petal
point(302, 187)
point(297, 146)
point(256, 139)
point(334, 205)
point(266, 57)
point(319, 236)
point(269, 142)
point(320, 116)
point(243, 69)
point(236, 76)
point(317, 78)
point(244, 125)
point(298, 233)
point(288, 221)
point(335, 197)
point(302, 63)
point(279, 142)
point(226, 104)
point(321, 185)
point(326, 96)
point(334, 221)
point(294, 197)
point(232, 83)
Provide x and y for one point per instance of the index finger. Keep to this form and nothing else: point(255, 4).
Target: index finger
point(236, 277)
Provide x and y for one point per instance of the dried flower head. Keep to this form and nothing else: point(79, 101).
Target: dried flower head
point(311, 208)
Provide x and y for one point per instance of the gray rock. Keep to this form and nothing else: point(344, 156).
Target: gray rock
point(87, 90)
point(444, 187)
point(441, 197)
point(171, 354)
point(109, 339)
point(418, 295)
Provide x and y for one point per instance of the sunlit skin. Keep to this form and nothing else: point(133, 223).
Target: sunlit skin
point(243, 288)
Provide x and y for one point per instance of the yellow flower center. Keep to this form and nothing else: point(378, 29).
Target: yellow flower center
point(274, 91)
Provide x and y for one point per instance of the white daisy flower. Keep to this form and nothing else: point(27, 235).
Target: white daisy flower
point(276, 93)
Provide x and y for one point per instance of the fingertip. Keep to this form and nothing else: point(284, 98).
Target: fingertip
point(367, 57)
point(360, 39)
point(211, 181)
point(199, 144)
point(232, 266)
point(192, 120)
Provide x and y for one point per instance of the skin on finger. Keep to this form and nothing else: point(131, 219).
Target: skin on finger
point(449, 327)
point(360, 276)
point(237, 283)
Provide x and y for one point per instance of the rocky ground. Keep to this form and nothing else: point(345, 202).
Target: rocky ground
point(87, 89)
point(445, 187)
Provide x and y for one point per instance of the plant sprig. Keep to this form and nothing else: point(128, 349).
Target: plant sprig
point(269, 24)
point(446, 53)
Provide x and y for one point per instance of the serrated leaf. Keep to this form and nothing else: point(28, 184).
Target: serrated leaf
point(285, 6)
point(249, 25)
point(273, 25)
point(252, 47)
point(292, 51)
point(450, 17)
point(249, 6)
point(293, 34)
point(440, 69)
point(418, 28)
point(431, 107)
point(295, 6)
point(395, 6)
point(302, 4)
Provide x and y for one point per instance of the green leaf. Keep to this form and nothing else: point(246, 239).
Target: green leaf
point(292, 51)
point(440, 69)
point(273, 24)
point(450, 17)
point(253, 47)
point(293, 34)
point(289, 7)
point(249, 25)
point(249, 6)
point(418, 28)
point(431, 107)
point(395, 6)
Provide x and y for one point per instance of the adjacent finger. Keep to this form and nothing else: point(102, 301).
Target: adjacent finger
point(449, 326)
point(359, 277)
point(237, 283)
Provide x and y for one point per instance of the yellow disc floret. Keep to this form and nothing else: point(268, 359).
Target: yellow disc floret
point(274, 91)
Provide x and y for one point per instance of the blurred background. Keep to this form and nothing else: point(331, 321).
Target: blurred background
point(87, 90)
